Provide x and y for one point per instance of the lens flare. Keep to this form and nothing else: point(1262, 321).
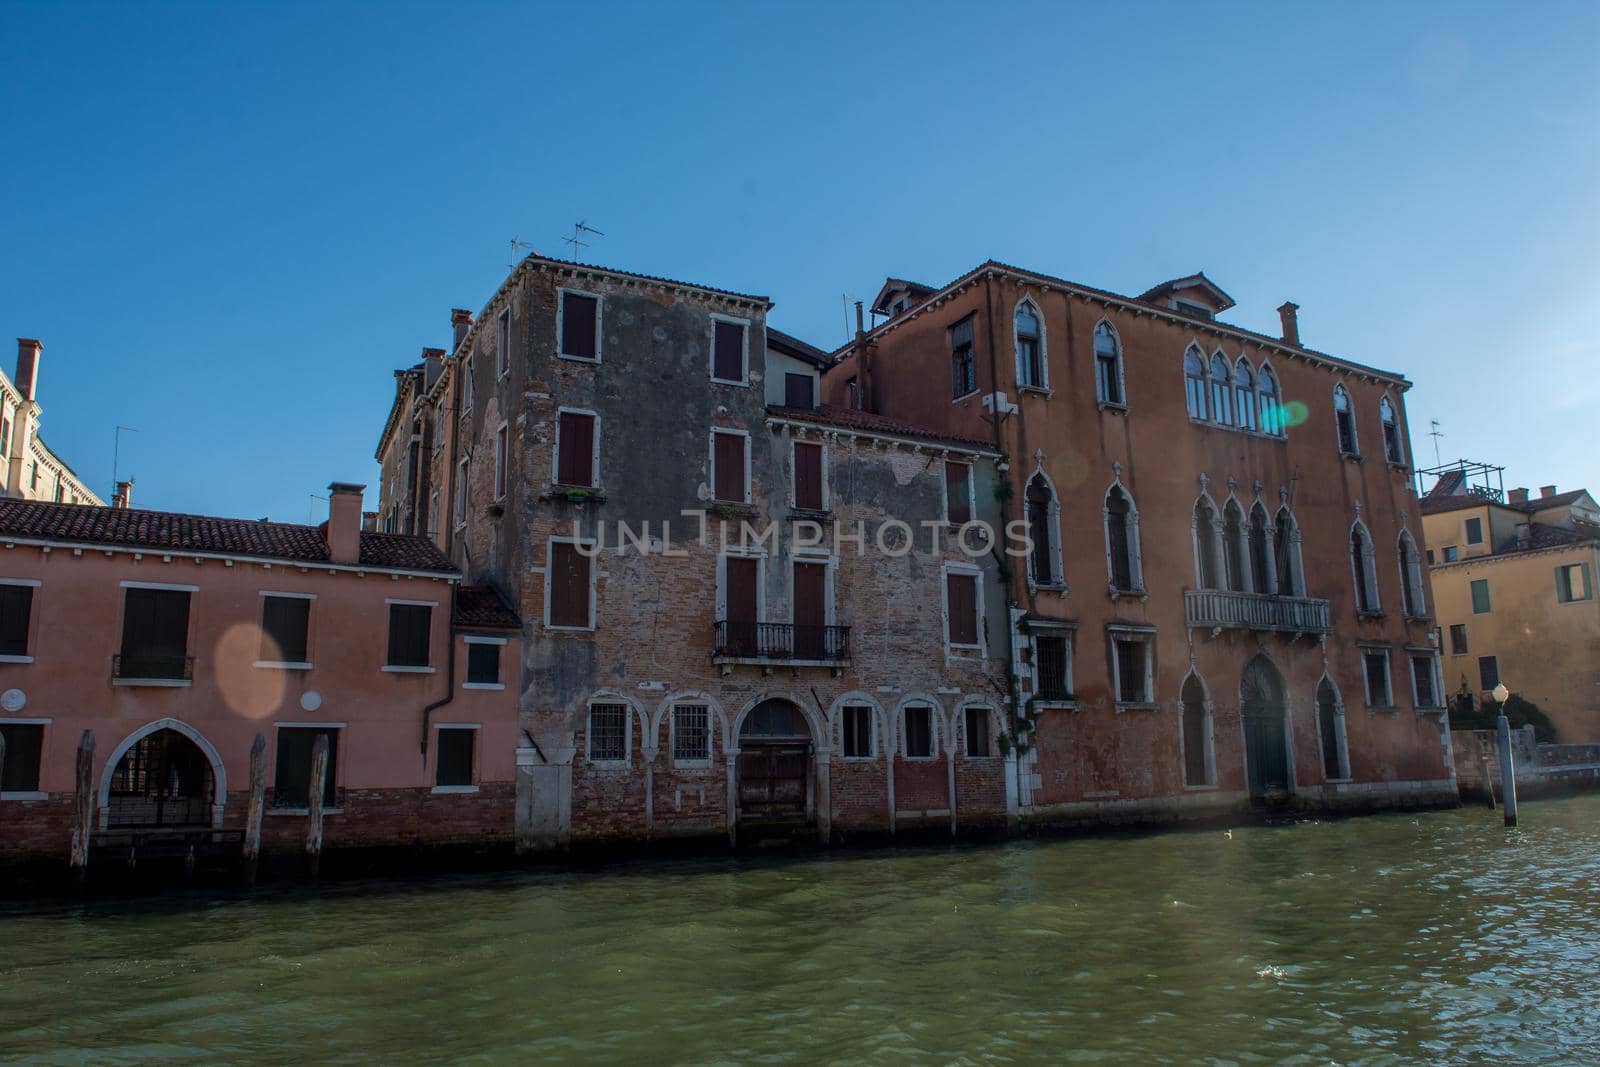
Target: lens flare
point(1293, 413)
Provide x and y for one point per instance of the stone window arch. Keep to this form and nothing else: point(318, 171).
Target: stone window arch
point(1410, 576)
point(1122, 541)
point(1108, 380)
point(1195, 735)
point(1221, 390)
point(1393, 447)
point(1207, 544)
point(1044, 530)
point(1244, 394)
point(1194, 381)
point(1331, 737)
point(1289, 571)
point(1028, 333)
point(1270, 401)
point(1235, 550)
point(1363, 571)
point(1344, 420)
point(1261, 563)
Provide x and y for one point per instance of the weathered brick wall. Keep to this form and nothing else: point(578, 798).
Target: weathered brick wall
point(34, 829)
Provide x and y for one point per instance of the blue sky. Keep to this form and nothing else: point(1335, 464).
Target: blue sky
point(230, 223)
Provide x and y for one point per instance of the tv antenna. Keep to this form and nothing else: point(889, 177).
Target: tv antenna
point(116, 454)
point(1436, 433)
point(577, 242)
point(517, 245)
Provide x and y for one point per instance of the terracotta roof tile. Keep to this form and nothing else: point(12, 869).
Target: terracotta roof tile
point(867, 422)
point(166, 531)
point(482, 606)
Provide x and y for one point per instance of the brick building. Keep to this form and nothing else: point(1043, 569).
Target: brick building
point(174, 641)
point(694, 681)
point(1225, 601)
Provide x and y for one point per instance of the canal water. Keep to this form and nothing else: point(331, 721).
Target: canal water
point(1439, 937)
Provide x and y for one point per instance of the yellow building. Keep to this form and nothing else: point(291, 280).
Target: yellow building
point(31, 469)
point(1514, 593)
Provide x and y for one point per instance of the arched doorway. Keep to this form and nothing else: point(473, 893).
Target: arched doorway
point(775, 758)
point(163, 779)
point(1264, 710)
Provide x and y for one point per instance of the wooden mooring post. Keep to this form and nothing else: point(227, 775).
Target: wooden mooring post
point(1508, 770)
point(319, 779)
point(83, 825)
point(256, 808)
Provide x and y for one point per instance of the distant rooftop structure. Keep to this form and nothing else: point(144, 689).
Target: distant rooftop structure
point(1462, 477)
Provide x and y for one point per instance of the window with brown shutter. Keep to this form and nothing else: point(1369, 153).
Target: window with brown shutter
point(727, 352)
point(810, 610)
point(579, 326)
point(961, 599)
point(569, 586)
point(799, 391)
point(575, 443)
point(808, 475)
point(957, 494)
point(740, 593)
point(728, 466)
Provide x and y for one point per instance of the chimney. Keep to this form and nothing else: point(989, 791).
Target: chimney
point(1287, 314)
point(1517, 496)
point(344, 522)
point(124, 495)
point(460, 322)
point(27, 378)
point(1546, 490)
point(432, 365)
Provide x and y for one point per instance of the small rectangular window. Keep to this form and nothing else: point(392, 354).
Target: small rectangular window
point(808, 475)
point(1572, 583)
point(727, 462)
point(727, 352)
point(292, 781)
point(1422, 678)
point(799, 391)
point(1376, 664)
point(284, 624)
point(1052, 673)
point(1488, 672)
point(16, 611)
point(580, 321)
point(957, 493)
point(963, 368)
point(919, 733)
point(1480, 597)
point(1474, 531)
point(1451, 553)
point(569, 586)
point(961, 602)
point(575, 450)
point(468, 386)
point(1458, 639)
point(453, 764)
point(608, 732)
point(409, 627)
point(502, 448)
point(857, 732)
point(979, 742)
point(691, 733)
point(155, 634)
point(483, 663)
point(502, 343)
point(24, 744)
point(1133, 674)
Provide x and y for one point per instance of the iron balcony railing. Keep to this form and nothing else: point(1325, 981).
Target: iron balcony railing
point(1255, 611)
point(781, 641)
point(145, 668)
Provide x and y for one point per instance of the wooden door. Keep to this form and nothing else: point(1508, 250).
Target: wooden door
point(810, 609)
point(743, 615)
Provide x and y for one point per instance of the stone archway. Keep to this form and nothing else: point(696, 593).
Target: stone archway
point(1264, 715)
point(776, 767)
point(164, 776)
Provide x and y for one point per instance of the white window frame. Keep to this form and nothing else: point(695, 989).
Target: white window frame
point(463, 473)
point(594, 449)
point(502, 460)
point(715, 430)
point(1355, 430)
point(282, 665)
point(1399, 439)
point(760, 556)
point(481, 639)
point(794, 471)
point(468, 390)
point(1432, 658)
point(1411, 583)
point(1365, 577)
point(872, 731)
point(1043, 384)
point(934, 718)
point(991, 717)
point(1388, 675)
point(946, 569)
point(339, 765)
point(1135, 554)
point(672, 735)
point(502, 343)
point(1245, 415)
point(1058, 574)
point(599, 318)
point(548, 570)
point(1122, 380)
point(944, 490)
point(744, 353)
point(33, 622)
point(627, 732)
point(1147, 638)
point(399, 668)
point(433, 759)
point(1342, 754)
point(44, 724)
point(816, 557)
point(1067, 634)
point(1208, 720)
point(1269, 402)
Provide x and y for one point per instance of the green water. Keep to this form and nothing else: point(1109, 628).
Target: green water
point(1437, 938)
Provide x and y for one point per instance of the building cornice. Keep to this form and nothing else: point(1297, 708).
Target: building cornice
point(915, 444)
point(81, 547)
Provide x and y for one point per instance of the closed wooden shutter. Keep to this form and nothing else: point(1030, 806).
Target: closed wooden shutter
point(575, 465)
point(578, 325)
point(155, 632)
point(409, 630)
point(799, 391)
point(283, 628)
point(958, 508)
point(727, 360)
point(569, 586)
point(741, 590)
point(810, 589)
point(728, 459)
point(961, 596)
point(808, 476)
point(16, 606)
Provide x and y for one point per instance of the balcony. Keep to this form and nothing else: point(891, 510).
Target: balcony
point(1218, 609)
point(780, 644)
point(152, 670)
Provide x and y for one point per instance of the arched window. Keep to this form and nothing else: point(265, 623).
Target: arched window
point(1194, 382)
point(1330, 728)
point(1197, 761)
point(1270, 403)
point(1260, 551)
point(1221, 396)
point(1411, 576)
point(1391, 433)
point(1107, 365)
point(1233, 550)
point(1366, 577)
point(1030, 347)
point(1345, 419)
point(1122, 542)
point(1244, 394)
point(1206, 550)
point(1286, 555)
point(1041, 504)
